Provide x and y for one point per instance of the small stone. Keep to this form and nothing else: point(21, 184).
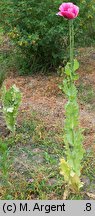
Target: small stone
point(86, 181)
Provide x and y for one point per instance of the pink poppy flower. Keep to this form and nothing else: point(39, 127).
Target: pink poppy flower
point(68, 10)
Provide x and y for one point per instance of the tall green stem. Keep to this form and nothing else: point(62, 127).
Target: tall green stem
point(71, 32)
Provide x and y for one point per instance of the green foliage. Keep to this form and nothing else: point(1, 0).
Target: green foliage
point(11, 100)
point(73, 138)
point(68, 70)
point(40, 36)
point(86, 22)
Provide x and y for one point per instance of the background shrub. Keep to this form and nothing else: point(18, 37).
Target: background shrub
point(85, 34)
point(37, 32)
point(40, 36)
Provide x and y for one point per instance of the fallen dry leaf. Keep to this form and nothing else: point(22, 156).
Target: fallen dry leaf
point(91, 195)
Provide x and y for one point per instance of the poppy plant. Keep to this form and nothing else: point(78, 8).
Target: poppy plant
point(70, 167)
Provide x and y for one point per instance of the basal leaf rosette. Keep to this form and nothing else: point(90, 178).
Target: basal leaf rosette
point(70, 177)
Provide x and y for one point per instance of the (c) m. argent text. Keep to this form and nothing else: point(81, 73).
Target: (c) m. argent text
point(43, 208)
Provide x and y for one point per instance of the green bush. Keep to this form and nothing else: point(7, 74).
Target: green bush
point(40, 36)
point(85, 29)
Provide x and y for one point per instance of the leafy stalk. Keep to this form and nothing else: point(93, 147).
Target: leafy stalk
point(11, 100)
point(73, 138)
